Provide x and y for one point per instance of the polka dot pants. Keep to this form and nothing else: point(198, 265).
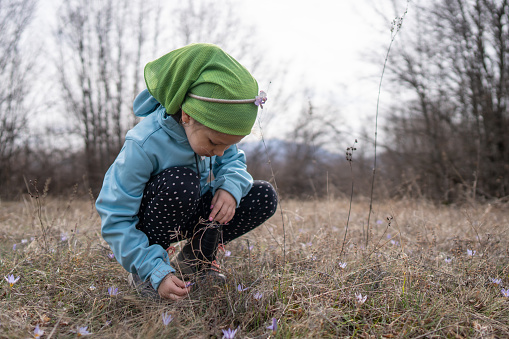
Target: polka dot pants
point(172, 207)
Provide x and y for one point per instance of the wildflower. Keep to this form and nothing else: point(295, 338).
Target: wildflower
point(241, 288)
point(251, 247)
point(92, 287)
point(470, 252)
point(273, 327)
point(389, 236)
point(505, 292)
point(229, 333)
point(227, 253)
point(10, 279)
point(496, 281)
point(167, 318)
point(81, 331)
point(24, 241)
point(260, 99)
point(448, 260)
point(63, 236)
point(309, 243)
point(14, 247)
point(112, 291)
point(111, 255)
point(342, 265)
point(189, 283)
point(38, 332)
point(258, 295)
point(361, 299)
point(394, 242)
point(379, 222)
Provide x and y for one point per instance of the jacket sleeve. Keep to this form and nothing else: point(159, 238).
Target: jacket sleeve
point(118, 205)
point(230, 173)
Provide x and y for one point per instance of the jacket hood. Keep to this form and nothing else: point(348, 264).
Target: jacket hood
point(144, 104)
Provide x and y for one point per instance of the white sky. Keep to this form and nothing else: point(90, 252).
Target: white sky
point(324, 45)
point(328, 45)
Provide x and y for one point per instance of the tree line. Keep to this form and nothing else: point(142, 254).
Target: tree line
point(445, 139)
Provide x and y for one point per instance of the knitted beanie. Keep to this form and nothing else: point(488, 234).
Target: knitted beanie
point(207, 72)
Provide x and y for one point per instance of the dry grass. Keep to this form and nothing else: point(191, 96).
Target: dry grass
point(412, 292)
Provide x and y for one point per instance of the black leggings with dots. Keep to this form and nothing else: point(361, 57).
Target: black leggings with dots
point(172, 207)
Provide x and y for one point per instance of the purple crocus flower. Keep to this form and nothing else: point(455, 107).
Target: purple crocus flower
point(273, 327)
point(229, 333)
point(167, 318)
point(112, 291)
point(241, 288)
point(258, 295)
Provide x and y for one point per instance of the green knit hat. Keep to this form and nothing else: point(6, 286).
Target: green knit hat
point(223, 91)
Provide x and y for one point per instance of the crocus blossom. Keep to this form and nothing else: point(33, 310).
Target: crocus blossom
point(167, 318)
point(448, 260)
point(111, 255)
point(273, 327)
point(38, 332)
point(470, 252)
point(361, 299)
point(258, 295)
point(342, 265)
point(241, 288)
point(112, 291)
point(229, 333)
point(496, 281)
point(10, 279)
point(81, 331)
point(505, 292)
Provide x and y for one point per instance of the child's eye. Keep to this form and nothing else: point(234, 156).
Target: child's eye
point(210, 141)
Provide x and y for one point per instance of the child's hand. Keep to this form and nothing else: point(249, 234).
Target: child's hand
point(172, 288)
point(223, 207)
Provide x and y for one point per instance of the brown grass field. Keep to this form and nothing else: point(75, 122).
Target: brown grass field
point(416, 275)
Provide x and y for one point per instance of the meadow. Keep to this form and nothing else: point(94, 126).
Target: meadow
point(426, 271)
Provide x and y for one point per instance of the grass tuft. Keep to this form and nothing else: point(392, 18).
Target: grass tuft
point(416, 273)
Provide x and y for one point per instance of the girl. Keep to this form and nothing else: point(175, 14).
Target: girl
point(180, 174)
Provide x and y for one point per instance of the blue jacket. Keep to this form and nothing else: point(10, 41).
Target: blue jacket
point(155, 144)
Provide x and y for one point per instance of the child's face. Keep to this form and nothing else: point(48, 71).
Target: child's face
point(205, 141)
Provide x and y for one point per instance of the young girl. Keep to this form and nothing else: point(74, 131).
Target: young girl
point(180, 174)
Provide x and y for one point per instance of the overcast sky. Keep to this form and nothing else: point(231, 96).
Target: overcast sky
point(324, 45)
point(332, 45)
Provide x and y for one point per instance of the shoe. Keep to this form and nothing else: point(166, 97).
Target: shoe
point(197, 257)
point(144, 288)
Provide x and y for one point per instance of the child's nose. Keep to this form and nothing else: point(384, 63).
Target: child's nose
point(219, 151)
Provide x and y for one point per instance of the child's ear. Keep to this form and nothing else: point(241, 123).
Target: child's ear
point(185, 117)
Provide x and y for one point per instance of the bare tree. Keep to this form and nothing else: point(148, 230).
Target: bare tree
point(452, 136)
point(15, 15)
point(101, 44)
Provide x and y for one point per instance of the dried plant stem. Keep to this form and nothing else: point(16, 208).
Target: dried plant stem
point(397, 23)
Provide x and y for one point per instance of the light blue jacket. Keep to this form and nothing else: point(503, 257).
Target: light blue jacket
point(155, 144)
